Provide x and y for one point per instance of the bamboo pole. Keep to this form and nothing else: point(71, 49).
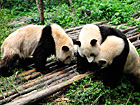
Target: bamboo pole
point(130, 35)
point(47, 91)
point(47, 77)
point(131, 31)
point(128, 29)
point(62, 76)
point(134, 38)
point(80, 27)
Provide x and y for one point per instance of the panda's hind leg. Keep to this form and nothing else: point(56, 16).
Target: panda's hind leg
point(6, 63)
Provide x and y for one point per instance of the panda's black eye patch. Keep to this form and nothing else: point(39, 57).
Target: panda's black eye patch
point(67, 57)
point(92, 54)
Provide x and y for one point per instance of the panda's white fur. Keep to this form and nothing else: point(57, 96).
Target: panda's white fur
point(112, 47)
point(89, 32)
point(26, 41)
point(23, 41)
point(61, 39)
point(133, 61)
point(109, 49)
point(89, 41)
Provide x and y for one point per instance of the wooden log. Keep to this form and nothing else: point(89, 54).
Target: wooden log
point(73, 32)
point(136, 44)
point(47, 91)
point(128, 29)
point(63, 79)
point(26, 73)
point(80, 27)
point(132, 31)
point(134, 38)
point(62, 76)
point(47, 77)
point(129, 35)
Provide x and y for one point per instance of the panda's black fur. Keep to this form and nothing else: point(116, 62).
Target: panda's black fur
point(113, 73)
point(45, 43)
point(83, 65)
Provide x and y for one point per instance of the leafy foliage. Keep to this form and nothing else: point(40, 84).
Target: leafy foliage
point(86, 91)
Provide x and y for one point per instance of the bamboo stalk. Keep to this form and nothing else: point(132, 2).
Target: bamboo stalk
point(132, 31)
point(26, 73)
point(63, 79)
point(80, 27)
point(47, 91)
point(37, 86)
point(134, 38)
point(136, 44)
point(128, 29)
point(22, 87)
point(73, 32)
point(129, 35)
point(52, 64)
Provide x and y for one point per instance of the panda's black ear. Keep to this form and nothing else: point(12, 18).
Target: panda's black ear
point(65, 48)
point(77, 43)
point(93, 42)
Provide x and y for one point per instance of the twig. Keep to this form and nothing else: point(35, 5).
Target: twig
point(71, 5)
point(128, 98)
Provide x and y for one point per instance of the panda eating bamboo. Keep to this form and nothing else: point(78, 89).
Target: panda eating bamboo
point(37, 41)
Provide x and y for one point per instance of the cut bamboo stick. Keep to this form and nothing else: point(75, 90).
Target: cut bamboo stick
point(129, 35)
point(26, 73)
point(22, 87)
point(47, 91)
point(134, 38)
point(128, 29)
point(132, 31)
point(80, 27)
point(62, 76)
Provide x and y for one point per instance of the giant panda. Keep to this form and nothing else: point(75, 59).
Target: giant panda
point(112, 57)
point(37, 41)
point(90, 38)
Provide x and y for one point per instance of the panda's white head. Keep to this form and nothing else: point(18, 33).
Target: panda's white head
point(110, 48)
point(89, 42)
point(63, 44)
